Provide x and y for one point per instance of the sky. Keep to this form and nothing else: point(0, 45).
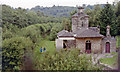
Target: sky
point(49, 3)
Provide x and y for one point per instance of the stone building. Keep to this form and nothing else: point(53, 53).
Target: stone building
point(88, 39)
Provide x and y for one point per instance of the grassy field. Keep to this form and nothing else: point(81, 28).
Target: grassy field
point(118, 41)
point(49, 45)
point(113, 62)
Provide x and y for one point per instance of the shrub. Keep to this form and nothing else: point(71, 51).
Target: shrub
point(65, 60)
point(13, 51)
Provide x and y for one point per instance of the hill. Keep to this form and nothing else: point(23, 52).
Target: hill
point(56, 11)
point(59, 11)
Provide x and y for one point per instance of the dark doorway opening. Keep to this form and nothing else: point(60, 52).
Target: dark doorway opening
point(107, 50)
point(64, 43)
point(88, 46)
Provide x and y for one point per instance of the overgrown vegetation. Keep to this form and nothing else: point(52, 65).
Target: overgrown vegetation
point(65, 60)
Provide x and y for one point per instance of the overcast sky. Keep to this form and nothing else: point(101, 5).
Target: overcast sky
point(49, 3)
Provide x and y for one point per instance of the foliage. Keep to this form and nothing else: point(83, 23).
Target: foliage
point(23, 18)
point(65, 60)
point(59, 11)
point(118, 25)
point(55, 29)
point(93, 15)
point(56, 11)
point(107, 17)
point(117, 11)
point(66, 24)
point(48, 31)
point(13, 50)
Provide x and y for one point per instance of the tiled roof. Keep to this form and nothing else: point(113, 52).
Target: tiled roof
point(94, 29)
point(110, 38)
point(65, 33)
point(87, 33)
point(84, 32)
point(61, 32)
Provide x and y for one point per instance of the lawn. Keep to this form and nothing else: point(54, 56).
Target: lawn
point(113, 62)
point(49, 45)
point(118, 41)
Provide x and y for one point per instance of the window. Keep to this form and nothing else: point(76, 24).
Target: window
point(82, 23)
point(88, 46)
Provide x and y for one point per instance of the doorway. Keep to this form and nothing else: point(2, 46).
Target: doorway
point(64, 44)
point(88, 46)
point(107, 50)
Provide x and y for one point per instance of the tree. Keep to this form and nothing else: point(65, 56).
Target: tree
point(118, 9)
point(107, 17)
point(118, 25)
point(55, 29)
point(93, 15)
point(13, 51)
point(66, 24)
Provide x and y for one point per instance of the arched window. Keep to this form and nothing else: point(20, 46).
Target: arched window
point(88, 46)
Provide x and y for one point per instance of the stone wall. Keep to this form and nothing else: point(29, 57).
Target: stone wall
point(95, 44)
point(112, 42)
point(74, 24)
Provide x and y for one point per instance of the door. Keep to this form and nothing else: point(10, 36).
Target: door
point(107, 50)
point(88, 46)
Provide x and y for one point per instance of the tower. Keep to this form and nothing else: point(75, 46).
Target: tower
point(80, 20)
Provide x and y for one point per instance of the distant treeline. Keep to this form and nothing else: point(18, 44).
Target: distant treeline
point(60, 11)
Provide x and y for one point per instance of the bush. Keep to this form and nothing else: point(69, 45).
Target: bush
point(65, 60)
point(13, 51)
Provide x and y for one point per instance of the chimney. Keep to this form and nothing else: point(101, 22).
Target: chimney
point(80, 10)
point(108, 31)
